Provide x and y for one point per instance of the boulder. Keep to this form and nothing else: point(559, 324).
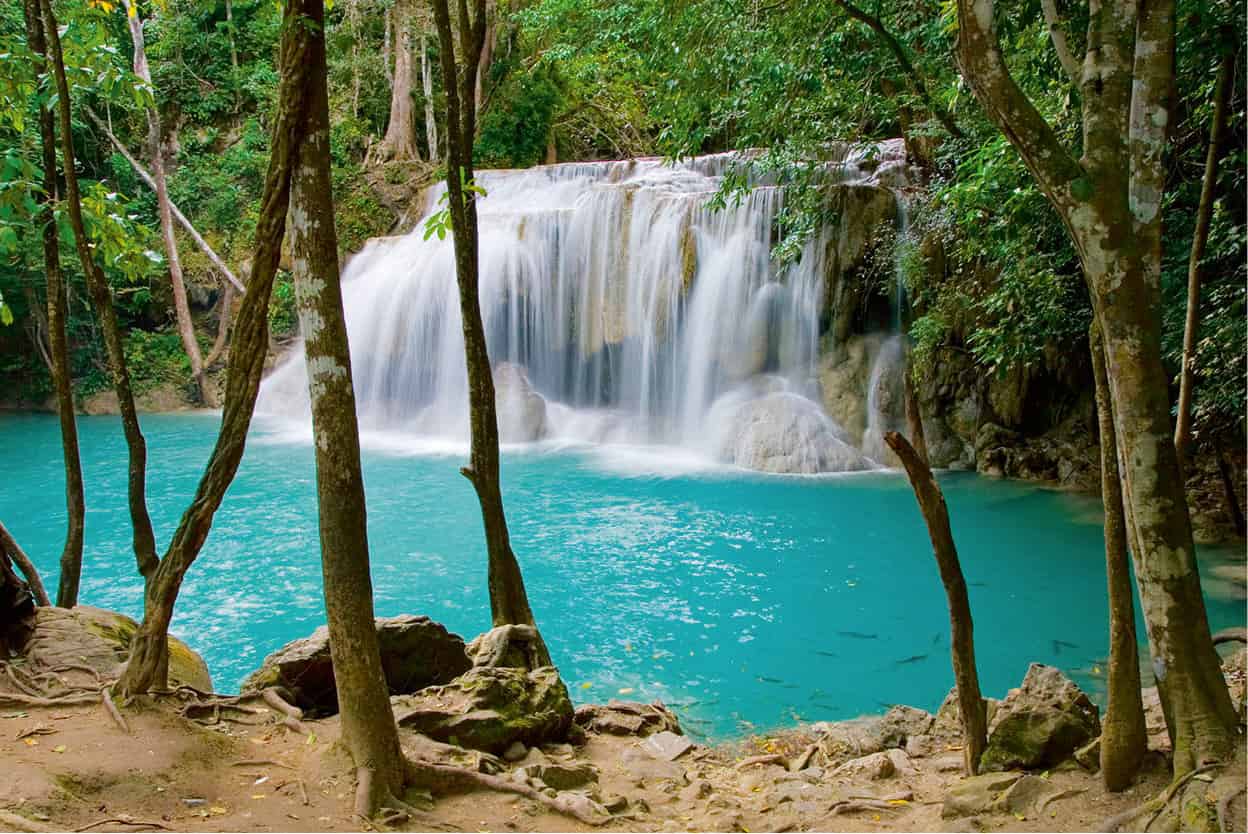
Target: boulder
point(415, 652)
point(901, 722)
point(627, 718)
point(781, 432)
point(977, 794)
point(562, 776)
point(521, 410)
point(874, 766)
point(490, 708)
point(948, 723)
point(1040, 724)
point(667, 745)
point(100, 640)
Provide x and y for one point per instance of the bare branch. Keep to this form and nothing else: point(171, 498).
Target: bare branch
point(1058, 36)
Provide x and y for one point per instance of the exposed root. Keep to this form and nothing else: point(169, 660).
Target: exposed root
point(16, 699)
point(274, 699)
point(1057, 797)
point(766, 758)
point(113, 712)
point(119, 821)
point(854, 806)
point(303, 792)
point(803, 760)
point(1156, 805)
point(259, 762)
point(448, 778)
point(1224, 809)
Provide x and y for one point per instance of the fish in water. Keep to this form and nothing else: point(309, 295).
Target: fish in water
point(978, 584)
point(936, 638)
point(1058, 645)
point(825, 654)
point(858, 635)
point(765, 679)
point(912, 659)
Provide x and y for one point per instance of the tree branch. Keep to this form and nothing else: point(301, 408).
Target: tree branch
point(1058, 36)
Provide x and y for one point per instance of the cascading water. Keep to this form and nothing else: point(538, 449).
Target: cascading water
point(619, 308)
point(886, 387)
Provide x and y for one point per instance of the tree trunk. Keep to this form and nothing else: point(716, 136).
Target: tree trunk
point(58, 342)
point(974, 713)
point(426, 83)
point(225, 308)
point(181, 307)
point(102, 299)
point(1110, 200)
point(509, 604)
point(1124, 735)
point(1225, 471)
point(1204, 212)
point(148, 666)
point(914, 417)
point(10, 547)
point(229, 22)
point(367, 720)
point(485, 58)
point(400, 140)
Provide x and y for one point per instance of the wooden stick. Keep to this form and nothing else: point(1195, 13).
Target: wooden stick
point(177, 213)
point(450, 777)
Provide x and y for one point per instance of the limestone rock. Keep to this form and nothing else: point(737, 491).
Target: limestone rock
point(415, 652)
point(901, 722)
point(1028, 796)
point(1040, 724)
point(100, 640)
point(667, 745)
point(626, 718)
point(977, 794)
point(563, 776)
point(873, 766)
point(521, 410)
point(780, 432)
point(490, 708)
point(948, 723)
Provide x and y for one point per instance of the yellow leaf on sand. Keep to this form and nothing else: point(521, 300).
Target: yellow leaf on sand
point(898, 802)
point(60, 748)
point(217, 811)
point(30, 742)
point(258, 796)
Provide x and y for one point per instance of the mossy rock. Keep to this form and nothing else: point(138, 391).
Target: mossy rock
point(100, 639)
point(491, 708)
point(1041, 724)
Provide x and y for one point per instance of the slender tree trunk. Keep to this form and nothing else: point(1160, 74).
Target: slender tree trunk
point(148, 666)
point(1124, 735)
point(229, 21)
point(143, 174)
point(367, 720)
point(181, 307)
point(509, 603)
point(9, 546)
point(224, 311)
point(426, 83)
point(58, 342)
point(102, 299)
point(914, 417)
point(485, 59)
point(1226, 472)
point(1204, 212)
point(974, 712)
point(400, 140)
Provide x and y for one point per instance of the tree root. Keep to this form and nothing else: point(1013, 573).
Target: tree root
point(16, 699)
point(113, 712)
point(449, 778)
point(119, 821)
point(274, 699)
point(19, 823)
point(1224, 809)
point(766, 758)
point(1155, 805)
point(259, 762)
point(854, 806)
point(803, 760)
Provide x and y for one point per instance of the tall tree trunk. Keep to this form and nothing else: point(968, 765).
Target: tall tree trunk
point(102, 299)
point(367, 720)
point(236, 77)
point(426, 83)
point(1226, 472)
point(58, 342)
point(225, 309)
point(1124, 735)
point(400, 140)
point(971, 705)
point(1204, 212)
point(148, 666)
point(509, 603)
point(485, 58)
point(1110, 201)
point(181, 307)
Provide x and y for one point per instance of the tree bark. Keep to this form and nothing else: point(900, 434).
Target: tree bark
point(148, 666)
point(208, 251)
point(971, 705)
point(181, 306)
point(367, 720)
point(1110, 202)
point(400, 139)
point(509, 604)
point(229, 22)
point(1225, 472)
point(1204, 213)
point(225, 309)
point(58, 341)
point(9, 546)
point(102, 299)
point(914, 417)
point(1124, 735)
point(426, 82)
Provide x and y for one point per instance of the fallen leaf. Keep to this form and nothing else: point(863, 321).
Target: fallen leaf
point(258, 796)
point(217, 811)
point(30, 742)
point(60, 748)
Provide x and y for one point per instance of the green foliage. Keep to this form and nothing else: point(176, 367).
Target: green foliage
point(156, 358)
point(283, 319)
point(514, 133)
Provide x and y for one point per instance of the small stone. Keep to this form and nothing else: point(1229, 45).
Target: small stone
point(563, 777)
point(874, 766)
point(698, 790)
point(667, 746)
point(515, 752)
point(615, 803)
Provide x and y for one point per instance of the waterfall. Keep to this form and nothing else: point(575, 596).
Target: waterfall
point(619, 308)
point(886, 405)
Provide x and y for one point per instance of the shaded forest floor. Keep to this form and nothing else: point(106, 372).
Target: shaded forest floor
point(73, 768)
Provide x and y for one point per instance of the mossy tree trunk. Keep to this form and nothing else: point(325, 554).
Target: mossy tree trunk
point(1124, 735)
point(1110, 201)
point(971, 706)
point(58, 341)
point(102, 299)
point(368, 726)
point(509, 603)
point(148, 666)
point(400, 138)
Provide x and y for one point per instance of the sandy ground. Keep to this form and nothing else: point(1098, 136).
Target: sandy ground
point(70, 768)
